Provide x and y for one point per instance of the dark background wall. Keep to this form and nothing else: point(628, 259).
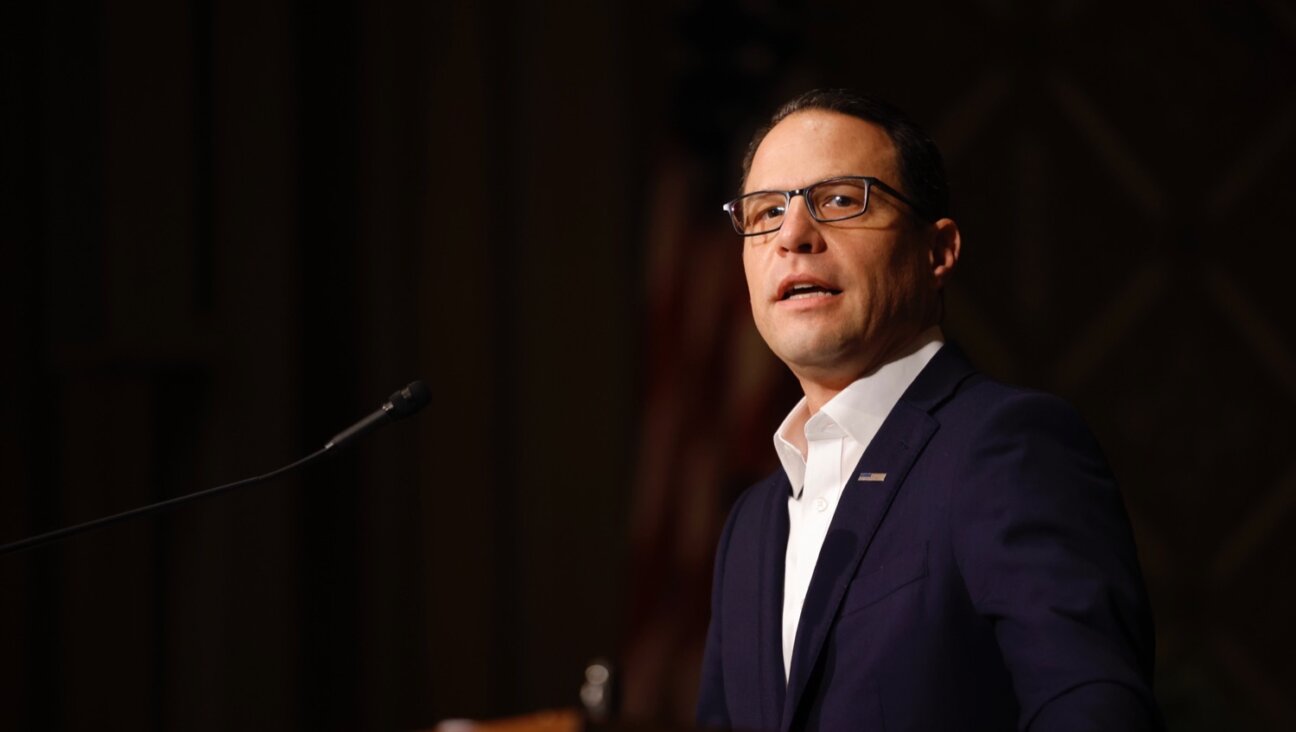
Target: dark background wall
point(228, 231)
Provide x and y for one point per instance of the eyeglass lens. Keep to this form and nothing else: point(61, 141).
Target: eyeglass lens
point(832, 200)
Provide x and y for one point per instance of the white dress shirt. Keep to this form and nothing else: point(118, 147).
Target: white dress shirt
point(836, 438)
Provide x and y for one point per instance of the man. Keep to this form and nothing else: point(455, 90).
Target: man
point(940, 551)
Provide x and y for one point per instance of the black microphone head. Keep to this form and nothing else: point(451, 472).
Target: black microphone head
point(409, 400)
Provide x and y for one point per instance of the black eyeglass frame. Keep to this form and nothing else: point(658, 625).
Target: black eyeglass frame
point(868, 180)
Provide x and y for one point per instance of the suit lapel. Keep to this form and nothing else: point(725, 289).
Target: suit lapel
point(863, 505)
point(861, 509)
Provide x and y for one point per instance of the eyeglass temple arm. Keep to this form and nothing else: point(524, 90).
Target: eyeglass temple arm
point(903, 198)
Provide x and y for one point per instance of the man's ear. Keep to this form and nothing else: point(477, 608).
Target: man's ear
point(943, 254)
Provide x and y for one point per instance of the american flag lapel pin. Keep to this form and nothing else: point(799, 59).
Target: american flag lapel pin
point(872, 477)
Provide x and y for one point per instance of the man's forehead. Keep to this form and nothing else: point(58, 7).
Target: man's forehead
point(811, 145)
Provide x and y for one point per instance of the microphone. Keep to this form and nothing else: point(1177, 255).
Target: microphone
point(399, 405)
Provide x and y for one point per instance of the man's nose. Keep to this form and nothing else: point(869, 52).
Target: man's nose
point(800, 232)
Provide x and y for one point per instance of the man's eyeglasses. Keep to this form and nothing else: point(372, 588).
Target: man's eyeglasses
point(835, 199)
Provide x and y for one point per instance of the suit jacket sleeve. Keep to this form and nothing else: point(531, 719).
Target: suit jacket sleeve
point(712, 709)
point(1044, 545)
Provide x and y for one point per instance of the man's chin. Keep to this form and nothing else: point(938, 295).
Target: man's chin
point(818, 359)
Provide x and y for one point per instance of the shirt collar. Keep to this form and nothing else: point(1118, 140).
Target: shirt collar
point(860, 408)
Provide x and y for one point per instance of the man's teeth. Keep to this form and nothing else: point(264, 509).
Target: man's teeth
point(802, 291)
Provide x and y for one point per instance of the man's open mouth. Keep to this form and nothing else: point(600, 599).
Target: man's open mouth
point(804, 290)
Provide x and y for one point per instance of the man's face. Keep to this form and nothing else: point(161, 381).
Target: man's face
point(876, 278)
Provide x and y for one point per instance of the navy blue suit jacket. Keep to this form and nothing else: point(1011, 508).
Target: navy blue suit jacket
point(989, 582)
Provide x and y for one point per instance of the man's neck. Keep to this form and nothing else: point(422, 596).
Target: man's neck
point(820, 388)
point(818, 393)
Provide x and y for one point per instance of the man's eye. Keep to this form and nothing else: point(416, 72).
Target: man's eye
point(764, 214)
point(840, 201)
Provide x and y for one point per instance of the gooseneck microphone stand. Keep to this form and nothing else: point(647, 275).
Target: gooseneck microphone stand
point(401, 404)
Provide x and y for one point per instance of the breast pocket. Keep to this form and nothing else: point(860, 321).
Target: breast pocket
point(885, 577)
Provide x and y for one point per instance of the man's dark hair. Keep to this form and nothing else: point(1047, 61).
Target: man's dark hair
point(921, 169)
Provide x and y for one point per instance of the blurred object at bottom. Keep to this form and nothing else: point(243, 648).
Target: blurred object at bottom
point(562, 720)
point(598, 694)
point(599, 701)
